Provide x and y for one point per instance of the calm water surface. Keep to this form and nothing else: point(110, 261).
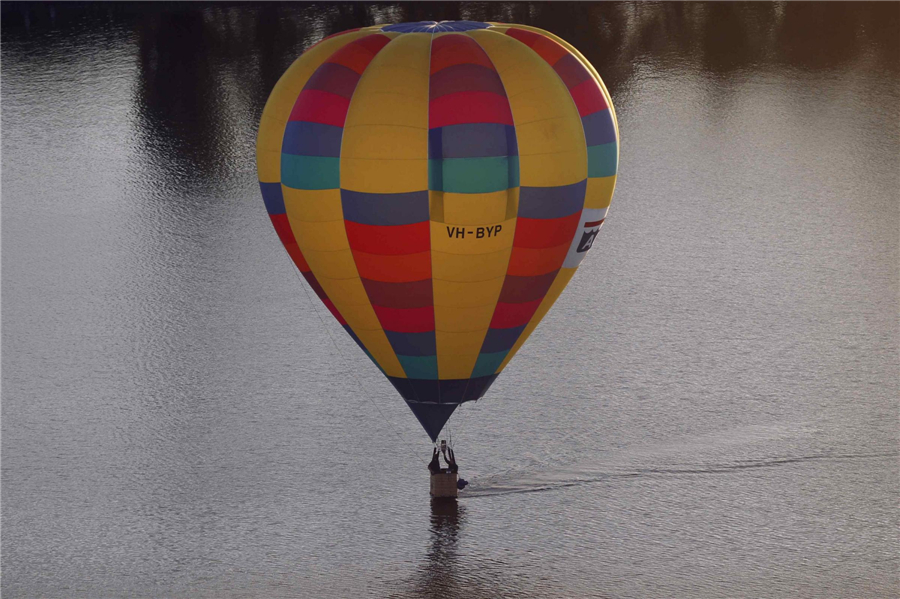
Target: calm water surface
point(710, 410)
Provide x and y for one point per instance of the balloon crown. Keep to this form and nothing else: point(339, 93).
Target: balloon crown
point(435, 26)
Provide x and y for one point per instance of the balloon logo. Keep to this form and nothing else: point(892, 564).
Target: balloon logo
point(438, 184)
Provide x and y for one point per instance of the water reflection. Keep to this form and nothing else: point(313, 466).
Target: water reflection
point(440, 576)
point(446, 572)
point(205, 72)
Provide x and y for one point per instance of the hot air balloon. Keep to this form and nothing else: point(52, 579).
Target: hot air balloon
point(437, 185)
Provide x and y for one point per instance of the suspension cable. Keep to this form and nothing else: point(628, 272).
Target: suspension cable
point(303, 284)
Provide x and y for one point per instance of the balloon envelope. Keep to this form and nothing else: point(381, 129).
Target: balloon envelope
point(438, 184)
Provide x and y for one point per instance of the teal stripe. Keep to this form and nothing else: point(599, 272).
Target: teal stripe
point(473, 175)
point(488, 364)
point(513, 171)
point(419, 367)
point(310, 172)
point(602, 160)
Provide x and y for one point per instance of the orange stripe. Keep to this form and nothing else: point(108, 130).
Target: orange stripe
point(527, 262)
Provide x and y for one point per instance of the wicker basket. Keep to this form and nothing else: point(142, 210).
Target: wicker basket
point(444, 485)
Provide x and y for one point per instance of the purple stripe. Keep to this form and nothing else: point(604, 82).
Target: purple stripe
point(521, 290)
point(472, 140)
point(413, 344)
point(385, 208)
point(465, 78)
point(334, 78)
point(272, 196)
point(498, 340)
point(312, 139)
point(400, 296)
point(599, 128)
point(551, 202)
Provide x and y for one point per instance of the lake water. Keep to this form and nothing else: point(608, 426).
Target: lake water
point(710, 410)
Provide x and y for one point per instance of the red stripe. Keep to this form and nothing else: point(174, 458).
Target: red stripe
point(406, 320)
point(316, 106)
point(373, 43)
point(316, 287)
point(283, 228)
point(545, 232)
point(514, 315)
point(545, 47)
point(588, 97)
point(526, 37)
point(358, 54)
point(595, 223)
point(527, 262)
point(389, 240)
point(296, 255)
point(469, 107)
point(449, 50)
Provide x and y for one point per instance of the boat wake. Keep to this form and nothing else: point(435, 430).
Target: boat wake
point(532, 481)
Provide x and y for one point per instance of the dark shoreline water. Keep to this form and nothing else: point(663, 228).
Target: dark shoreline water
point(710, 410)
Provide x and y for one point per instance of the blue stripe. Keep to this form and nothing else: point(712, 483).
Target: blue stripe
point(498, 340)
point(602, 160)
point(551, 202)
point(419, 367)
point(312, 139)
point(599, 128)
point(511, 142)
point(472, 140)
point(487, 364)
point(385, 208)
point(434, 26)
point(272, 196)
point(448, 391)
point(413, 344)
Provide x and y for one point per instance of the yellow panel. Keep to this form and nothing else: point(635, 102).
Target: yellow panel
point(550, 135)
point(378, 345)
point(458, 320)
point(458, 353)
point(305, 205)
point(584, 61)
point(599, 192)
point(271, 133)
point(406, 67)
point(384, 176)
point(523, 79)
point(450, 267)
point(347, 292)
point(359, 317)
point(559, 283)
point(376, 140)
point(393, 90)
point(324, 237)
point(332, 265)
point(395, 108)
point(519, 68)
point(476, 208)
point(474, 239)
point(281, 102)
point(550, 170)
point(467, 294)
point(268, 164)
